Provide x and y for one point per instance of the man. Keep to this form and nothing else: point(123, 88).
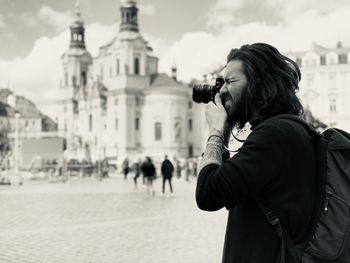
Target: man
point(275, 166)
point(149, 171)
point(126, 168)
point(167, 169)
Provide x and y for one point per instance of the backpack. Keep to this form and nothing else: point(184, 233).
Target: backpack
point(328, 238)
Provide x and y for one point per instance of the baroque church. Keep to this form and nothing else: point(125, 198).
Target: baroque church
point(118, 105)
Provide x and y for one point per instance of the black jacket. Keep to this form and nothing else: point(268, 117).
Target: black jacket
point(167, 169)
point(275, 166)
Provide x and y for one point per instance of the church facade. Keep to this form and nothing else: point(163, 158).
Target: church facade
point(118, 105)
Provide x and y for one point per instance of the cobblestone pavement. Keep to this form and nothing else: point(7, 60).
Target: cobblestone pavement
point(86, 220)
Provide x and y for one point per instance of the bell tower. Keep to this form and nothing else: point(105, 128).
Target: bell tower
point(129, 11)
point(76, 62)
point(77, 30)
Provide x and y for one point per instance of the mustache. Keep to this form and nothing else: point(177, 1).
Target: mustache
point(225, 97)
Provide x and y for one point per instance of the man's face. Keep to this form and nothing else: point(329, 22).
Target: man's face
point(231, 92)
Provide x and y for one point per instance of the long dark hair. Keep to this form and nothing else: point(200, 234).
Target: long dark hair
point(272, 82)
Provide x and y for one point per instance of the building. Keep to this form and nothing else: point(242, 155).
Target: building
point(325, 83)
point(22, 122)
point(118, 104)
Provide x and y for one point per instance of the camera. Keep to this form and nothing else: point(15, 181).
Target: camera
point(204, 93)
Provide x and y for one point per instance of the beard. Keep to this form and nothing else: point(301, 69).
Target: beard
point(237, 115)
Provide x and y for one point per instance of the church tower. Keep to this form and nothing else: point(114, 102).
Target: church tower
point(76, 63)
point(128, 11)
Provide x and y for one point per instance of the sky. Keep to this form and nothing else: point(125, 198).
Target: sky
point(194, 35)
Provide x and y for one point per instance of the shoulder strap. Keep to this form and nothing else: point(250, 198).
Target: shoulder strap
point(275, 223)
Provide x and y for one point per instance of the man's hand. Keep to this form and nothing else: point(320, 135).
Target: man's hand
point(216, 115)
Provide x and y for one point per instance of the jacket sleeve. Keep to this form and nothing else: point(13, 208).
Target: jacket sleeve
point(257, 164)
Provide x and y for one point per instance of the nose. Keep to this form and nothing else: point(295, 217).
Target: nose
point(223, 89)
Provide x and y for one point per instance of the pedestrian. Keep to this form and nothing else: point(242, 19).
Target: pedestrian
point(126, 168)
point(104, 168)
point(167, 169)
point(195, 166)
point(149, 171)
point(275, 166)
point(188, 169)
point(137, 169)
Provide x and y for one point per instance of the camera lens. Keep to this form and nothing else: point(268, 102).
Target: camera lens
point(202, 93)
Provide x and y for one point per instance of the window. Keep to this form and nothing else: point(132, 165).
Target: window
point(137, 123)
point(298, 61)
point(116, 123)
point(190, 125)
point(190, 150)
point(90, 122)
point(75, 107)
point(332, 105)
point(343, 58)
point(83, 78)
point(66, 78)
point(117, 66)
point(157, 131)
point(74, 80)
point(323, 60)
point(101, 71)
point(137, 66)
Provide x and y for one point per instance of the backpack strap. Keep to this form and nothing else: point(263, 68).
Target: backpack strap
point(286, 240)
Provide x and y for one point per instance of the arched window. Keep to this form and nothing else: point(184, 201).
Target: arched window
point(157, 131)
point(90, 122)
point(137, 66)
point(137, 123)
point(117, 69)
point(83, 78)
point(190, 124)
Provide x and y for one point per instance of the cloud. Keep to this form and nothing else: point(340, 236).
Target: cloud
point(198, 52)
point(147, 10)
point(48, 17)
point(57, 20)
point(227, 13)
point(2, 21)
point(37, 75)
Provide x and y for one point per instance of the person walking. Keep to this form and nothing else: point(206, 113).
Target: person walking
point(149, 171)
point(167, 169)
point(137, 169)
point(126, 167)
point(104, 168)
point(275, 167)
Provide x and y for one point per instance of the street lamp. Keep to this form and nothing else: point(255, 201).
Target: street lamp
point(16, 145)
